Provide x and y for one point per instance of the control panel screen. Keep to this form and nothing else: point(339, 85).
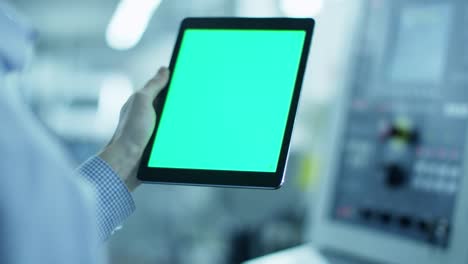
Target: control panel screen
point(421, 44)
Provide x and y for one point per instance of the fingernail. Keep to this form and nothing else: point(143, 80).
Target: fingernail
point(162, 70)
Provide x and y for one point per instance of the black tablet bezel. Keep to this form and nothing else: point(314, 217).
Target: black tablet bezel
point(246, 179)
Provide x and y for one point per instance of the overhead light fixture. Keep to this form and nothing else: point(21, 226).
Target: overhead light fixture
point(129, 22)
point(301, 8)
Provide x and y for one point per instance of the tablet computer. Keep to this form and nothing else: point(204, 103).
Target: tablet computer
point(227, 113)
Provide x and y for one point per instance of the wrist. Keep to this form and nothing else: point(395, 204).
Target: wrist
point(123, 159)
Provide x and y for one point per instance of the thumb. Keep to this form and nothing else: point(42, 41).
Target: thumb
point(157, 83)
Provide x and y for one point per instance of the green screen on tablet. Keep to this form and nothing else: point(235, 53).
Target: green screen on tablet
point(228, 100)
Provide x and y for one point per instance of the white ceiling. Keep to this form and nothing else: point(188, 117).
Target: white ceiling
point(72, 34)
point(72, 56)
point(68, 22)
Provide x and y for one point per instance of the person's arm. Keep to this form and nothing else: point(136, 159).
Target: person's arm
point(114, 203)
point(113, 170)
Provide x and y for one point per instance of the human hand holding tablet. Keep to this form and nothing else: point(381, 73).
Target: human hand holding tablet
point(226, 116)
point(136, 123)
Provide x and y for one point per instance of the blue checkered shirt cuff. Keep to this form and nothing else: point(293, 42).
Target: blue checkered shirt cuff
point(114, 201)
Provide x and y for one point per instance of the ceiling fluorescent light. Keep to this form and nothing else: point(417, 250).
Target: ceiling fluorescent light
point(301, 8)
point(129, 22)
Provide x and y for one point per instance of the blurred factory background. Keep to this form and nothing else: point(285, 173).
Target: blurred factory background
point(78, 81)
point(390, 61)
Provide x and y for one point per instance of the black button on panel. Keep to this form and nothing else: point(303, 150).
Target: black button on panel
point(424, 226)
point(385, 218)
point(366, 214)
point(405, 222)
point(396, 176)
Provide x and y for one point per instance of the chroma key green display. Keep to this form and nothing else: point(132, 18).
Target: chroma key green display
point(228, 100)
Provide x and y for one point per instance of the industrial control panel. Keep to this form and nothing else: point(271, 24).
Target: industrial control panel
point(400, 163)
